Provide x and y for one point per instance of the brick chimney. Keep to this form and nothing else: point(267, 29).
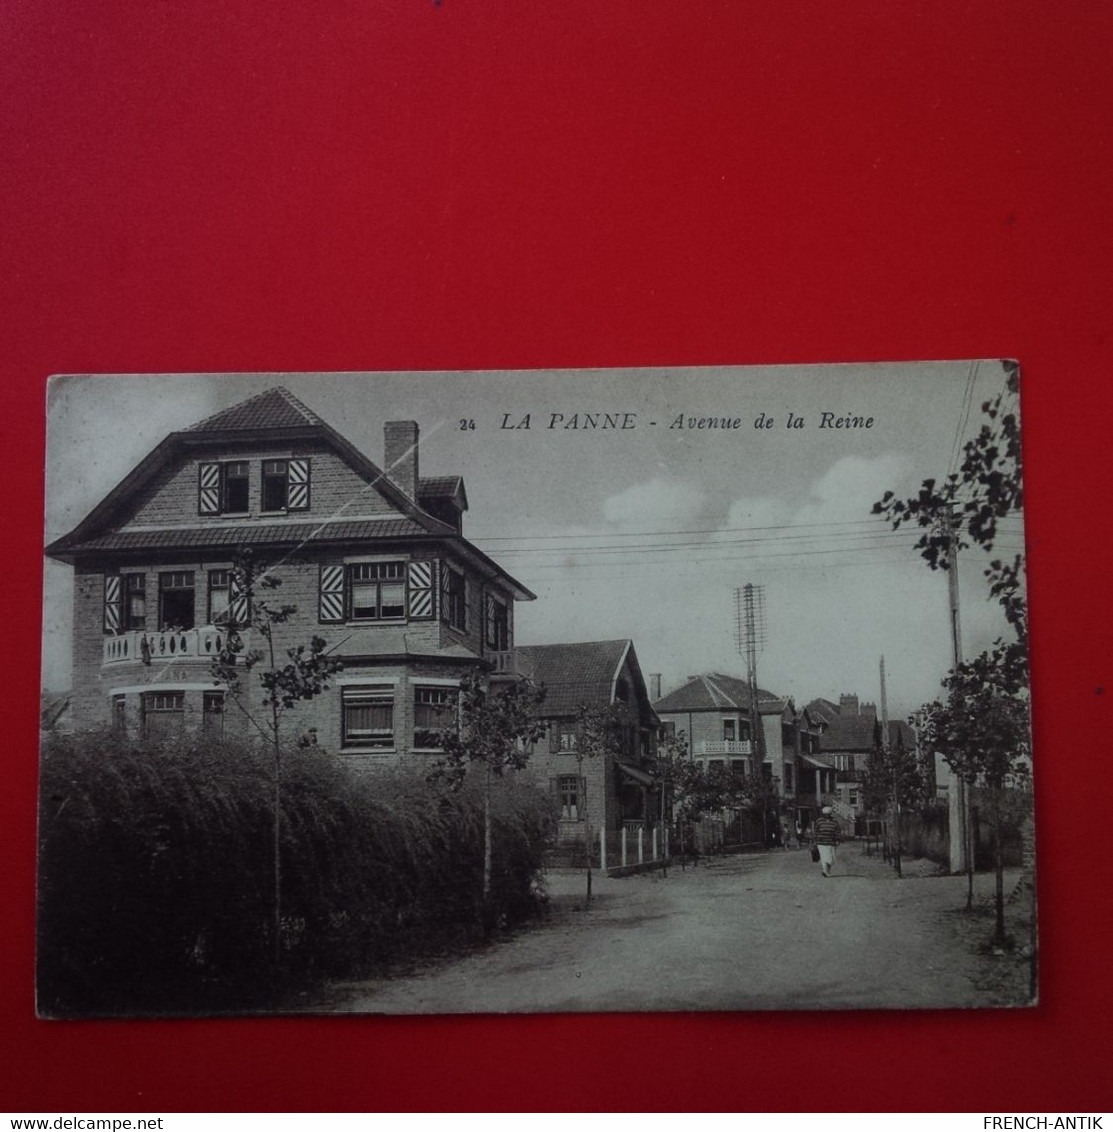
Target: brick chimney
point(654, 686)
point(400, 455)
point(848, 705)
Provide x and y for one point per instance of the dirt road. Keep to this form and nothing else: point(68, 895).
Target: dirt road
point(742, 933)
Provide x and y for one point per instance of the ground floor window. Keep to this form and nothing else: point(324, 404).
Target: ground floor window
point(434, 713)
point(568, 795)
point(120, 715)
point(367, 721)
point(163, 714)
point(212, 716)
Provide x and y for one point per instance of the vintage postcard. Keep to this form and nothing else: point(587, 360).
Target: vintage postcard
point(603, 690)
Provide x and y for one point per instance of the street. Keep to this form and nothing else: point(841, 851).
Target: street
point(736, 933)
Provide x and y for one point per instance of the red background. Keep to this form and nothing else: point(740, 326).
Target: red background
point(356, 185)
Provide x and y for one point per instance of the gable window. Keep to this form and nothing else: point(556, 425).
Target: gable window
point(135, 602)
point(434, 712)
point(622, 690)
point(568, 795)
point(274, 485)
point(222, 488)
point(498, 625)
point(234, 495)
point(285, 485)
point(368, 717)
point(175, 600)
point(376, 591)
point(455, 595)
point(163, 714)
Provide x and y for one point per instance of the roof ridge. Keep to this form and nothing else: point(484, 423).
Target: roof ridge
point(275, 390)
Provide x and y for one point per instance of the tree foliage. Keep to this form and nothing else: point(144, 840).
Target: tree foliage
point(497, 728)
point(981, 726)
point(302, 675)
point(986, 488)
point(894, 776)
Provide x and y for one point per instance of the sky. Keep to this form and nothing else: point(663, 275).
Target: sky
point(644, 531)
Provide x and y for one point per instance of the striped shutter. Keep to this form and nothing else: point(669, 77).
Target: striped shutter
point(330, 604)
point(446, 581)
point(422, 576)
point(208, 489)
point(238, 606)
point(297, 495)
point(112, 603)
point(489, 620)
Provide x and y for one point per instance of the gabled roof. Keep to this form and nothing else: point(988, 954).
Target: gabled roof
point(274, 408)
point(856, 733)
point(276, 413)
point(823, 711)
point(713, 691)
point(582, 673)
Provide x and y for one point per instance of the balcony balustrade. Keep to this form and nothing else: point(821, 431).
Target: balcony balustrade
point(511, 664)
point(725, 747)
point(202, 644)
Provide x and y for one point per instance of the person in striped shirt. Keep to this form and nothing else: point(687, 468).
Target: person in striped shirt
point(825, 834)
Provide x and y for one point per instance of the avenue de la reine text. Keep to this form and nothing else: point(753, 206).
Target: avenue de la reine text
point(625, 421)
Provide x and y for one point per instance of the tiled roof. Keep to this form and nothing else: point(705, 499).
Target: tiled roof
point(575, 674)
point(275, 408)
point(855, 733)
point(713, 691)
point(824, 710)
point(254, 534)
point(438, 485)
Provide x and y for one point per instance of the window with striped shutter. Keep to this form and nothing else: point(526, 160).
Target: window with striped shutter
point(422, 590)
point(208, 489)
point(297, 491)
point(330, 603)
point(239, 609)
point(112, 603)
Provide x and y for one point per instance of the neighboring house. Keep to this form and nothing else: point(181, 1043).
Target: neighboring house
point(716, 713)
point(848, 741)
point(619, 788)
point(372, 556)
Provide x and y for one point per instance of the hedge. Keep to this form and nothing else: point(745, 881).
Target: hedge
point(156, 872)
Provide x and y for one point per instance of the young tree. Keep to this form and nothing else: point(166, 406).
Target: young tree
point(598, 733)
point(982, 730)
point(893, 780)
point(498, 730)
point(303, 676)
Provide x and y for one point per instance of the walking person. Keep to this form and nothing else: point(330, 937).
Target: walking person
point(826, 836)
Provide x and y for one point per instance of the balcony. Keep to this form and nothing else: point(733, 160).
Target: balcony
point(182, 644)
point(511, 665)
point(725, 747)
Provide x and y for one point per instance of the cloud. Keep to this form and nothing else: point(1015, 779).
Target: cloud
point(655, 505)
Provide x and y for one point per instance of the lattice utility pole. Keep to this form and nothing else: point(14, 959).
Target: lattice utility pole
point(750, 634)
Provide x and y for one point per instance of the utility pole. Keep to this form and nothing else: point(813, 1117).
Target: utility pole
point(967, 855)
point(892, 768)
